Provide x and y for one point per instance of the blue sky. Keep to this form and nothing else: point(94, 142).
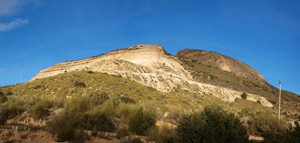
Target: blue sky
point(264, 34)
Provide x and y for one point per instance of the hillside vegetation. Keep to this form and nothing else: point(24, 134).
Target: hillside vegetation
point(82, 100)
point(215, 76)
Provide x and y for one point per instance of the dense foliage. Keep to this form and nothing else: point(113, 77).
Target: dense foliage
point(294, 136)
point(80, 84)
point(3, 98)
point(141, 122)
point(212, 125)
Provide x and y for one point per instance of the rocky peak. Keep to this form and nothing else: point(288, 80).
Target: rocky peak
point(143, 54)
point(222, 62)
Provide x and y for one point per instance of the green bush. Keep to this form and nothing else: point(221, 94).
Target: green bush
point(141, 122)
point(98, 99)
point(55, 125)
point(99, 121)
point(244, 95)
point(66, 133)
point(96, 121)
point(3, 98)
point(78, 104)
point(294, 136)
point(90, 72)
point(124, 111)
point(14, 106)
point(162, 134)
point(3, 115)
point(263, 120)
point(80, 84)
point(80, 137)
point(39, 111)
point(40, 108)
point(122, 132)
point(37, 87)
point(9, 93)
point(108, 108)
point(212, 125)
point(125, 99)
point(274, 137)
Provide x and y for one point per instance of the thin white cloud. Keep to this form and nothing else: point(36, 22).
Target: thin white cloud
point(13, 24)
point(10, 7)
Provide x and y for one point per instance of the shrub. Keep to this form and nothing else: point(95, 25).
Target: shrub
point(66, 133)
point(266, 119)
point(80, 84)
point(98, 99)
point(80, 121)
point(80, 137)
point(9, 93)
point(99, 121)
point(55, 125)
point(39, 111)
point(90, 72)
point(62, 126)
point(294, 136)
point(14, 106)
point(37, 87)
point(122, 132)
point(166, 134)
point(141, 122)
point(78, 104)
point(95, 121)
point(274, 137)
point(162, 134)
point(124, 110)
point(3, 98)
point(125, 99)
point(3, 115)
point(212, 125)
point(109, 107)
point(244, 95)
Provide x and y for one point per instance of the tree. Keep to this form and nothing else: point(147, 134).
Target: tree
point(212, 125)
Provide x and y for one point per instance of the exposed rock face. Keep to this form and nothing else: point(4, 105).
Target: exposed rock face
point(222, 62)
point(149, 65)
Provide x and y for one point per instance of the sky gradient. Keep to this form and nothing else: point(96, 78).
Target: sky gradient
point(264, 34)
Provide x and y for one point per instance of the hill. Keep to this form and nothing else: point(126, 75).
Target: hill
point(104, 92)
point(149, 65)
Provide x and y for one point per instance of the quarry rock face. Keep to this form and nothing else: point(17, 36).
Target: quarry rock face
point(152, 66)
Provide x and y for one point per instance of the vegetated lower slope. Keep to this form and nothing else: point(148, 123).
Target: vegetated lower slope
point(82, 83)
point(101, 102)
point(209, 71)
